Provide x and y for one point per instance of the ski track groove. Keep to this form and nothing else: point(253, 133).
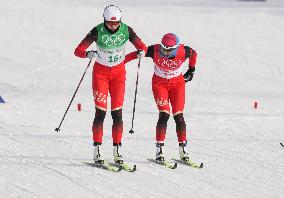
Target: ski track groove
point(5, 150)
point(257, 164)
point(245, 181)
point(106, 176)
point(69, 178)
point(223, 155)
point(21, 188)
point(51, 138)
point(36, 164)
point(166, 180)
point(38, 160)
point(219, 186)
point(11, 138)
point(140, 191)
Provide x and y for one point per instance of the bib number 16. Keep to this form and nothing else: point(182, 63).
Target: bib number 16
point(115, 58)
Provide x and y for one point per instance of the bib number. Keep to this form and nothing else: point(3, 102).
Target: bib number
point(112, 59)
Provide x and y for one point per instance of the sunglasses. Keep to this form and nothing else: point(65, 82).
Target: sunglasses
point(112, 23)
point(166, 51)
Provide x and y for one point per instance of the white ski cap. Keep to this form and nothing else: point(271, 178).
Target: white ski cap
point(112, 13)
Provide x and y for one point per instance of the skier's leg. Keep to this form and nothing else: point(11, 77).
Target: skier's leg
point(100, 91)
point(180, 127)
point(117, 130)
point(117, 126)
point(117, 90)
point(177, 98)
point(98, 125)
point(161, 96)
point(100, 86)
point(160, 135)
point(161, 93)
point(98, 133)
point(181, 134)
point(161, 126)
point(177, 94)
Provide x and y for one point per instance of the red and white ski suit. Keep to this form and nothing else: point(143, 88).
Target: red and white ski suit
point(106, 80)
point(168, 84)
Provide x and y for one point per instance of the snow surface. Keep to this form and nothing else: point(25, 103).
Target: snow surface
point(240, 61)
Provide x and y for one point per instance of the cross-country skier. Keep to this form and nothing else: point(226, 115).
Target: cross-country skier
point(111, 37)
point(168, 86)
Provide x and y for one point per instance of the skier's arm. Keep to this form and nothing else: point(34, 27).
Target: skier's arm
point(150, 51)
point(91, 37)
point(136, 41)
point(130, 56)
point(191, 55)
point(133, 55)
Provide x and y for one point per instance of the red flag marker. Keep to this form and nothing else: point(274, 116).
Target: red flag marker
point(79, 107)
point(255, 105)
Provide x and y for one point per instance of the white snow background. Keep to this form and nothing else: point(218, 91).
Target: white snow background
point(240, 61)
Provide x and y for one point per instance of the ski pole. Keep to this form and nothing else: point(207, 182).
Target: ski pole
point(58, 128)
point(133, 112)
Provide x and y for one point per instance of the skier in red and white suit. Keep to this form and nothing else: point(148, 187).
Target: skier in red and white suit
point(168, 86)
point(109, 73)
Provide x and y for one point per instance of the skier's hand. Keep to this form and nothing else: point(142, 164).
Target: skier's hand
point(140, 53)
point(188, 75)
point(91, 54)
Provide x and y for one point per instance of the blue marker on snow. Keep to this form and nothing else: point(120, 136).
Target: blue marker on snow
point(1, 100)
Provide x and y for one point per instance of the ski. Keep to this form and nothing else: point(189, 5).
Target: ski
point(281, 144)
point(188, 163)
point(125, 166)
point(105, 165)
point(167, 164)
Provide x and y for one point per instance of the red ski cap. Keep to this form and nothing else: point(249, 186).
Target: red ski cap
point(169, 40)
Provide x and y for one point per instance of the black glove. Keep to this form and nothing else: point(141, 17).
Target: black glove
point(189, 74)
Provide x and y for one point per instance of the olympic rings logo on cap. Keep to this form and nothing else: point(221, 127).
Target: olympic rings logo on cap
point(113, 40)
point(173, 64)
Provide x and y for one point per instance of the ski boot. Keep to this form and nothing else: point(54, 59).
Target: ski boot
point(118, 159)
point(97, 156)
point(184, 156)
point(159, 152)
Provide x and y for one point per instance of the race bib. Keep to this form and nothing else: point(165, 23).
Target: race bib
point(110, 57)
point(167, 73)
point(111, 46)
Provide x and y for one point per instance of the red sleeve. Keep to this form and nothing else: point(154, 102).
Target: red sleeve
point(192, 58)
point(91, 37)
point(131, 56)
point(136, 41)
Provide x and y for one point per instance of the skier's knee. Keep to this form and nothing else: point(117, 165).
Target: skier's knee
point(163, 118)
point(117, 116)
point(180, 123)
point(179, 118)
point(100, 115)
